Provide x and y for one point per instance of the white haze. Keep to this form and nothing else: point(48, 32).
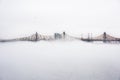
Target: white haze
point(25, 17)
point(59, 60)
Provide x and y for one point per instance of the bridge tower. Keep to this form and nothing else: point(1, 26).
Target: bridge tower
point(104, 37)
point(64, 34)
point(36, 36)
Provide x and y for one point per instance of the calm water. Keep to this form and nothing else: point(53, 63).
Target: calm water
point(69, 60)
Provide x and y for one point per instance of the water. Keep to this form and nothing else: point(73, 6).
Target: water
point(59, 60)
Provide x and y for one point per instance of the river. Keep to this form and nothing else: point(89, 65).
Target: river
point(59, 60)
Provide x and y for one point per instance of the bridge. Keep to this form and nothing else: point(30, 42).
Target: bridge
point(103, 37)
point(34, 37)
point(64, 36)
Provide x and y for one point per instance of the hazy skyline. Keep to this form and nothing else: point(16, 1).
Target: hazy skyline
point(18, 17)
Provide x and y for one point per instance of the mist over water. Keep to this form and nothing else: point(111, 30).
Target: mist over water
point(59, 60)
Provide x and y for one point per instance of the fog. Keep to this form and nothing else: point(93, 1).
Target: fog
point(24, 17)
point(59, 60)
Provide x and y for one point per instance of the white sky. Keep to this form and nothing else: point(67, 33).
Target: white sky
point(24, 17)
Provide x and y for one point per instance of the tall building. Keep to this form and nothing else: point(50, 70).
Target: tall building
point(57, 36)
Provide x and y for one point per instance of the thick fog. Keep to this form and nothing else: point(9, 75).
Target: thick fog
point(70, 60)
point(24, 17)
point(59, 60)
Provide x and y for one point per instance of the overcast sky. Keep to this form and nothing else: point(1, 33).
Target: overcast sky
point(20, 17)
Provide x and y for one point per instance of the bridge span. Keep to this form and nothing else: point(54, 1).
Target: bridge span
point(103, 37)
point(64, 36)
